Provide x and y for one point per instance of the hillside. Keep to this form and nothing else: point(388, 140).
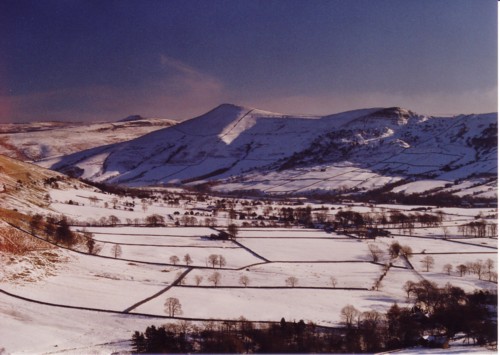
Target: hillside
point(250, 149)
point(43, 140)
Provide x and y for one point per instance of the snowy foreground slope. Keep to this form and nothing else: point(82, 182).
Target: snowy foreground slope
point(241, 148)
point(43, 140)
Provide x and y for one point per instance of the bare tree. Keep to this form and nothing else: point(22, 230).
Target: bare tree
point(114, 201)
point(409, 286)
point(155, 220)
point(93, 200)
point(375, 252)
point(187, 259)
point(428, 262)
point(244, 280)
point(462, 269)
point(493, 276)
point(222, 261)
point(394, 250)
point(446, 232)
point(198, 279)
point(333, 281)
point(470, 267)
point(213, 259)
point(89, 241)
point(113, 220)
point(232, 230)
point(173, 306)
point(447, 268)
point(215, 278)
point(116, 249)
point(96, 249)
point(478, 268)
point(489, 265)
point(349, 314)
point(291, 281)
point(493, 230)
point(174, 259)
point(406, 251)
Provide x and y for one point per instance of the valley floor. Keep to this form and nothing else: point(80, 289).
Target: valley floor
point(93, 303)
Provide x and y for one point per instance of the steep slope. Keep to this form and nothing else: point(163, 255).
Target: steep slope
point(44, 140)
point(252, 149)
point(24, 187)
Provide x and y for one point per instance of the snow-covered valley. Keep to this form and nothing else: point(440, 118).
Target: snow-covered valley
point(75, 300)
point(238, 213)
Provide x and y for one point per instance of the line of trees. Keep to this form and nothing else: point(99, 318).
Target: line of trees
point(478, 229)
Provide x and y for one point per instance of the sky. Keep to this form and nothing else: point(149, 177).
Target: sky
point(89, 60)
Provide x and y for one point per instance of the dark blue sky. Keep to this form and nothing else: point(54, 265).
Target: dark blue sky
point(103, 60)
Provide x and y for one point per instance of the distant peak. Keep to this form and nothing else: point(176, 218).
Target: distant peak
point(390, 112)
point(131, 118)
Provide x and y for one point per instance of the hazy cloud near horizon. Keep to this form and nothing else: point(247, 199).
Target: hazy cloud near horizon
point(186, 92)
point(179, 89)
point(102, 61)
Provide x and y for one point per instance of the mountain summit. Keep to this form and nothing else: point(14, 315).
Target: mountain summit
point(247, 148)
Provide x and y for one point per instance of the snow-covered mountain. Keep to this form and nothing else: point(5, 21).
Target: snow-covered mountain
point(238, 148)
point(42, 140)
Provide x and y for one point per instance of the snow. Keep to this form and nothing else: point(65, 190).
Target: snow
point(420, 186)
point(45, 141)
point(347, 275)
point(268, 256)
point(438, 245)
point(53, 329)
point(93, 282)
point(261, 304)
point(294, 249)
point(244, 148)
point(311, 255)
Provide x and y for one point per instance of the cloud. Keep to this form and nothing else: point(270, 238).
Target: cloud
point(178, 92)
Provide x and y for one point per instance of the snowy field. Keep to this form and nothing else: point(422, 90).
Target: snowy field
point(94, 282)
point(294, 249)
point(320, 306)
point(347, 275)
point(331, 270)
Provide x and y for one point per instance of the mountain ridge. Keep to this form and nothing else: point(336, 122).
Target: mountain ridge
point(39, 141)
point(234, 143)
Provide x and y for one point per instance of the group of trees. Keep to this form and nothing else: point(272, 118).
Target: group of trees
point(478, 229)
point(56, 231)
point(441, 312)
point(483, 269)
point(216, 260)
point(359, 223)
point(479, 267)
point(238, 336)
point(449, 310)
point(395, 250)
point(245, 281)
point(174, 259)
